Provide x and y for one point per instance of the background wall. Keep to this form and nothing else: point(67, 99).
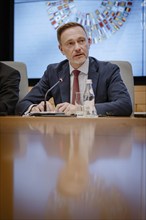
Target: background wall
point(6, 29)
point(7, 37)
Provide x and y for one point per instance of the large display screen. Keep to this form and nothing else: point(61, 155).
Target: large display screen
point(117, 29)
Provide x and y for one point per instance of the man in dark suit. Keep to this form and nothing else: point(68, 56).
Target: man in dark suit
point(111, 95)
point(9, 89)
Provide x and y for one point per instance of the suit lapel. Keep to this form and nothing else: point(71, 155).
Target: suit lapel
point(65, 85)
point(93, 73)
point(65, 75)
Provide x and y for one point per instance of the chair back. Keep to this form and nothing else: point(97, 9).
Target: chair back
point(21, 67)
point(127, 77)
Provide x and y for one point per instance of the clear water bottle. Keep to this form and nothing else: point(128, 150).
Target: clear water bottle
point(89, 100)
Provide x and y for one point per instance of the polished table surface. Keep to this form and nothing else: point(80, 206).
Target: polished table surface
point(71, 168)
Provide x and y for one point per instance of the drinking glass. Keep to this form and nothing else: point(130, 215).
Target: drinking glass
point(79, 104)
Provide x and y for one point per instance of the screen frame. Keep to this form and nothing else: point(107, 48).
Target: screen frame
point(7, 43)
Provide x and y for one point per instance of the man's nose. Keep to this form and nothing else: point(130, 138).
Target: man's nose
point(77, 46)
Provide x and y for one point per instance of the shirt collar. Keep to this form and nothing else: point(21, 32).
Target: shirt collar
point(84, 68)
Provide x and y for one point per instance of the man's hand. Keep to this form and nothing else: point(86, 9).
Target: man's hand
point(40, 107)
point(66, 107)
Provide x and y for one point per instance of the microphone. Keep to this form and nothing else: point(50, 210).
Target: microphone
point(49, 90)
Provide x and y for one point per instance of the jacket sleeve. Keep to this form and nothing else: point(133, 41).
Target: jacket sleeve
point(34, 96)
point(9, 91)
point(112, 97)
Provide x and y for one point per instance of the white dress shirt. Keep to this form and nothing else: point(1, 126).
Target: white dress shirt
point(83, 75)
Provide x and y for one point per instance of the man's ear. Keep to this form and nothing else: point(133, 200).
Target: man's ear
point(60, 48)
point(89, 41)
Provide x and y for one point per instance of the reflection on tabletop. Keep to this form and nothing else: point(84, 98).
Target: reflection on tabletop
point(79, 194)
point(74, 169)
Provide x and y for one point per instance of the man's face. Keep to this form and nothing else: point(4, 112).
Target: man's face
point(75, 46)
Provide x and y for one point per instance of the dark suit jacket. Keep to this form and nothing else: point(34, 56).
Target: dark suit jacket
point(111, 95)
point(9, 89)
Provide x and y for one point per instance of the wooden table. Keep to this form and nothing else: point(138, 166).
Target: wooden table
point(70, 168)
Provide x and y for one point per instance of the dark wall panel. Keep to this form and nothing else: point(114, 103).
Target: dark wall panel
point(6, 29)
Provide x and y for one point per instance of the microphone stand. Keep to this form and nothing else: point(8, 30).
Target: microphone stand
point(45, 99)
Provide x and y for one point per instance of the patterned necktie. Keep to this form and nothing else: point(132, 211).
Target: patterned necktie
point(75, 85)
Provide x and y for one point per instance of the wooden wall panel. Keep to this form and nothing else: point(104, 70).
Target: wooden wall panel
point(140, 98)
